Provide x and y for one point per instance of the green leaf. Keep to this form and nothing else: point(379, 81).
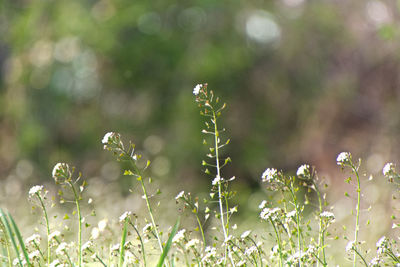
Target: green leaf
point(10, 234)
point(19, 237)
point(122, 245)
point(66, 217)
point(168, 244)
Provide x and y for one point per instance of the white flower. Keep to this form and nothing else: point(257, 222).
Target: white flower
point(303, 170)
point(106, 137)
point(95, 233)
point(54, 263)
point(54, 234)
point(250, 250)
point(181, 194)
point(382, 245)
point(147, 227)
point(35, 238)
point(102, 224)
point(375, 262)
point(269, 175)
point(329, 216)
point(61, 171)
point(388, 168)
point(192, 243)
point(217, 180)
point(343, 158)
point(197, 88)
point(262, 204)
point(268, 214)
point(349, 246)
point(245, 234)
point(179, 236)
point(35, 189)
point(124, 216)
point(60, 249)
point(87, 245)
point(34, 254)
point(115, 247)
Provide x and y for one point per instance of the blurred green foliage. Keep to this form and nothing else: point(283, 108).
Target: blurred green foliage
point(303, 80)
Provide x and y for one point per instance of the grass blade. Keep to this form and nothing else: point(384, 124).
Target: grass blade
point(19, 237)
point(122, 246)
point(6, 224)
point(167, 246)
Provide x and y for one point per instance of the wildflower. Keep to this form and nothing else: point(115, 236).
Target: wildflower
point(211, 252)
point(192, 243)
point(262, 204)
point(34, 254)
point(180, 195)
point(115, 247)
point(87, 245)
point(382, 245)
point(303, 170)
point(269, 175)
point(270, 214)
point(328, 216)
point(35, 189)
point(196, 89)
point(95, 233)
point(124, 216)
point(147, 227)
point(350, 246)
point(54, 234)
point(343, 158)
point(61, 248)
point(61, 172)
point(179, 236)
point(102, 225)
point(35, 238)
point(107, 137)
point(54, 263)
point(245, 234)
point(375, 262)
point(217, 180)
point(250, 250)
point(388, 169)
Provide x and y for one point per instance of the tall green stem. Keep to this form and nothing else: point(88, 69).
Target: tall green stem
point(46, 218)
point(79, 224)
point(299, 242)
point(278, 239)
point(357, 227)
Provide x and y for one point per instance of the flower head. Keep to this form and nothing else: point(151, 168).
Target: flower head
point(388, 169)
point(180, 195)
point(61, 172)
point(180, 235)
point(269, 175)
point(343, 158)
point(196, 89)
point(328, 216)
point(303, 170)
point(107, 137)
point(35, 189)
point(124, 216)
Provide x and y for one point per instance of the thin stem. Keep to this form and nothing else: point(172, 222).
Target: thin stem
point(201, 229)
point(299, 243)
point(79, 224)
point(46, 218)
point(146, 197)
point(321, 236)
point(355, 170)
point(278, 239)
point(141, 242)
point(362, 258)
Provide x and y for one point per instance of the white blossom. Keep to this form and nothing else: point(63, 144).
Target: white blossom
point(269, 175)
point(147, 227)
point(124, 216)
point(192, 243)
point(179, 236)
point(262, 204)
point(54, 263)
point(87, 245)
point(329, 216)
point(35, 238)
point(107, 137)
point(343, 157)
point(102, 224)
point(388, 168)
point(61, 247)
point(196, 89)
point(349, 246)
point(54, 234)
point(245, 234)
point(303, 170)
point(35, 189)
point(181, 194)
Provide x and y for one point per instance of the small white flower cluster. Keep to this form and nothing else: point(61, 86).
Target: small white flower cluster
point(245, 234)
point(124, 216)
point(180, 195)
point(375, 262)
point(328, 216)
point(269, 175)
point(251, 250)
point(296, 258)
point(303, 170)
point(210, 253)
point(196, 89)
point(217, 180)
point(61, 172)
point(389, 171)
point(382, 245)
point(35, 238)
point(350, 246)
point(192, 243)
point(270, 214)
point(343, 158)
point(147, 228)
point(54, 234)
point(62, 247)
point(112, 141)
point(179, 236)
point(87, 245)
point(35, 190)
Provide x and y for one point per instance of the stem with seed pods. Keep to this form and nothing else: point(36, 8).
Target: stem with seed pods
point(357, 227)
point(46, 218)
point(78, 208)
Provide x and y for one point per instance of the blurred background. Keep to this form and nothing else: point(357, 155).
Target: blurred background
point(303, 80)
